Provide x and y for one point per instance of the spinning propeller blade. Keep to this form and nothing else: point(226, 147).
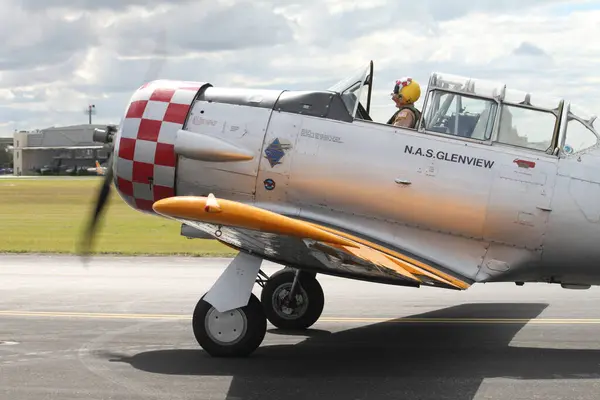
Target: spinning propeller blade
point(101, 200)
point(107, 136)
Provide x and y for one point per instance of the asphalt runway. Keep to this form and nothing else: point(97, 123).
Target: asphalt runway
point(120, 329)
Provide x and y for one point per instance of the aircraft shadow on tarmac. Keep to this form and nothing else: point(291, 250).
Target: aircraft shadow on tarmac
point(388, 360)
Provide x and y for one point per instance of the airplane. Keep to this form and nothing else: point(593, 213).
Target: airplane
point(493, 185)
point(98, 169)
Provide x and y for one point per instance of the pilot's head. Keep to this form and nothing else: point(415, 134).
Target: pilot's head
point(406, 91)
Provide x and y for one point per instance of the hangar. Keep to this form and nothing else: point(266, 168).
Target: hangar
point(67, 150)
point(6, 153)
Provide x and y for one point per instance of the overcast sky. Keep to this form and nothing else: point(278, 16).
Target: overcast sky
point(58, 56)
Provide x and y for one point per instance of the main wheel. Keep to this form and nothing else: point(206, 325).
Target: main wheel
point(234, 333)
point(298, 313)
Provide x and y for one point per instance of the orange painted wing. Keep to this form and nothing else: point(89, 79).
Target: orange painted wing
point(302, 243)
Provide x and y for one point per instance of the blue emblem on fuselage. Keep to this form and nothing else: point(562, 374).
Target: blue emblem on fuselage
point(275, 152)
point(269, 184)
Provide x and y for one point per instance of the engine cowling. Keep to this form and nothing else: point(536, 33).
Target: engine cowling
point(145, 162)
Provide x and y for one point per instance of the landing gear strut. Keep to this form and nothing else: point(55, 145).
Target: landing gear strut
point(292, 299)
point(230, 321)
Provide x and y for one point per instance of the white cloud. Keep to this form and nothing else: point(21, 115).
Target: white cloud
point(60, 55)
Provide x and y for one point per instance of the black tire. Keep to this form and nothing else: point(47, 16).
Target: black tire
point(312, 296)
point(255, 328)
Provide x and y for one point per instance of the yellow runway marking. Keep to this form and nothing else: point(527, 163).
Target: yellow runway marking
point(394, 320)
point(90, 315)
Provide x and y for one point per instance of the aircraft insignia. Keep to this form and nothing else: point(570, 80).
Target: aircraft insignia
point(275, 151)
point(269, 184)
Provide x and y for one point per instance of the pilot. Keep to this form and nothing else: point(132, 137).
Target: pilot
point(406, 92)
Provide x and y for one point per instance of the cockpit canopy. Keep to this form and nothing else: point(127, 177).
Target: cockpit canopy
point(353, 87)
point(488, 111)
point(485, 111)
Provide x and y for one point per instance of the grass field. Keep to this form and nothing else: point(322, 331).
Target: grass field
point(49, 216)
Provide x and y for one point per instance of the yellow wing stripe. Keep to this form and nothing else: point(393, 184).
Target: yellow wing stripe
point(434, 273)
point(227, 212)
point(393, 263)
point(378, 258)
point(420, 271)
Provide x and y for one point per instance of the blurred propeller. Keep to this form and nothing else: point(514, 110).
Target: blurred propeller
point(104, 136)
point(107, 136)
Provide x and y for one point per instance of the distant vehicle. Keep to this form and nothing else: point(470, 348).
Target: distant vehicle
point(73, 170)
point(48, 169)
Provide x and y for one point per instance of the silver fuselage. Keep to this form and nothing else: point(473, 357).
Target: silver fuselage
point(479, 209)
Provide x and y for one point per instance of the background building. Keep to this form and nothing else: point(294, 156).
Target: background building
point(6, 156)
point(57, 150)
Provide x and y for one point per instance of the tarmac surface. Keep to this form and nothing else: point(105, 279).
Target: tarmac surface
point(120, 329)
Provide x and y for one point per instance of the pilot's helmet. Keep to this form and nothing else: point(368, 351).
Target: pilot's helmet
point(407, 90)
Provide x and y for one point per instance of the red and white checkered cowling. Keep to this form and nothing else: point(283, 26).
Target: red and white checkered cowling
point(144, 155)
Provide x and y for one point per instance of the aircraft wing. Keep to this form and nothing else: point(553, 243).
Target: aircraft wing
point(302, 243)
